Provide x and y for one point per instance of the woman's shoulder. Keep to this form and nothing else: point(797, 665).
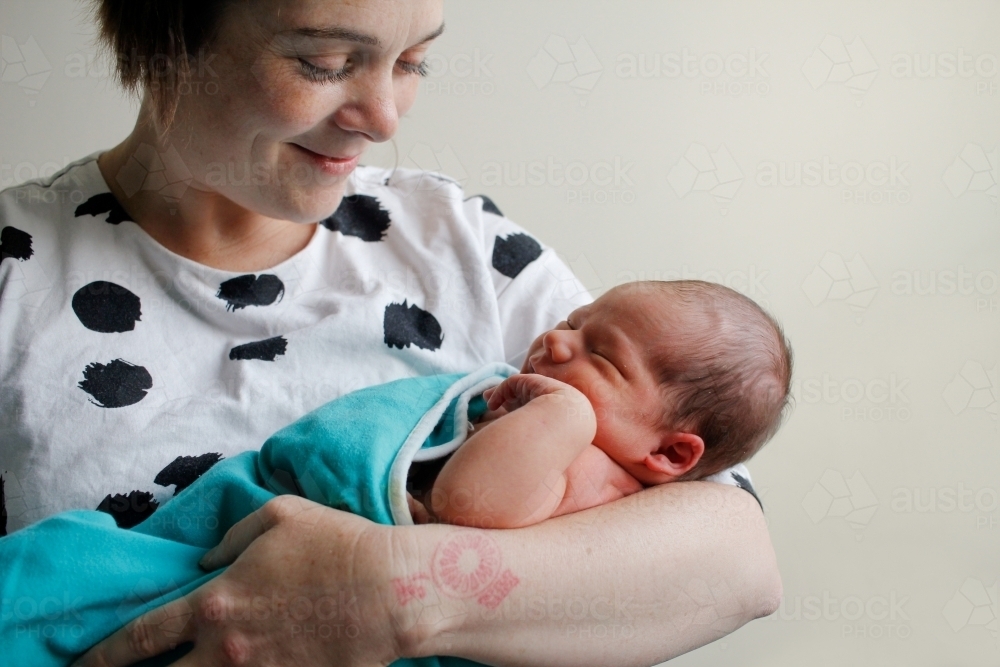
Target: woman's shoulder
point(422, 191)
point(44, 203)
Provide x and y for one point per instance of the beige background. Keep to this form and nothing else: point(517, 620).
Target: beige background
point(882, 491)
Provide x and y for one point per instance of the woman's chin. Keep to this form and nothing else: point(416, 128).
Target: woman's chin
point(307, 207)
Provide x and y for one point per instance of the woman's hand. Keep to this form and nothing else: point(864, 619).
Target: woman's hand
point(309, 586)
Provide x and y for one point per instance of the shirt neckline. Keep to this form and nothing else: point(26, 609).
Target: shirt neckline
point(314, 241)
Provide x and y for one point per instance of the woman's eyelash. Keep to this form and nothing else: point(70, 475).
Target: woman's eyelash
point(420, 69)
point(321, 74)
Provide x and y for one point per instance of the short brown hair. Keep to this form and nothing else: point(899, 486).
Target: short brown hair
point(729, 380)
point(153, 42)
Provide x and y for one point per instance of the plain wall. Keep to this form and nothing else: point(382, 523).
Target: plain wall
point(652, 148)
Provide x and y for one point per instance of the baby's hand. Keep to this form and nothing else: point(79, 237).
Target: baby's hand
point(518, 390)
point(418, 511)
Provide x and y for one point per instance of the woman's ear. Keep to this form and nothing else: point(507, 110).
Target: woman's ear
point(677, 455)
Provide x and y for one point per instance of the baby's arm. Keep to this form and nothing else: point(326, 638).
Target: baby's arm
point(512, 473)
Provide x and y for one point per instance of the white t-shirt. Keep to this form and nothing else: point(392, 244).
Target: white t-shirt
point(127, 370)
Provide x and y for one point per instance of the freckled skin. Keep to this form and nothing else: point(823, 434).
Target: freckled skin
point(253, 193)
point(266, 103)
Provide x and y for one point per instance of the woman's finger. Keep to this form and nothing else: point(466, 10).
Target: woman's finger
point(153, 633)
point(235, 541)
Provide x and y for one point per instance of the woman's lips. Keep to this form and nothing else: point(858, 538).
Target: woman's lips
point(335, 166)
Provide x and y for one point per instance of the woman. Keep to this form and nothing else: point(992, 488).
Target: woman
point(176, 301)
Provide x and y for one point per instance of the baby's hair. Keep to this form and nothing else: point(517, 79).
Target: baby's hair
point(728, 379)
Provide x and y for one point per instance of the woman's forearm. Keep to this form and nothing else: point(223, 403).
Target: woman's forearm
point(634, 582)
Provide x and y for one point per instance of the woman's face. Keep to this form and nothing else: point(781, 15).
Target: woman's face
point(302, 87)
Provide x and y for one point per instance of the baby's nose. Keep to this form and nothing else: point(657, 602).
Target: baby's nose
point(557, 345)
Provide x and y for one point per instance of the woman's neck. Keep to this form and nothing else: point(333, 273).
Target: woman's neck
point(189, 219)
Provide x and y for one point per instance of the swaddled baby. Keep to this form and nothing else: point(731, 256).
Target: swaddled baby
point(654, 382)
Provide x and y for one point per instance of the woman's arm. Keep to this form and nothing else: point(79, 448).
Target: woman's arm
point(633, 582)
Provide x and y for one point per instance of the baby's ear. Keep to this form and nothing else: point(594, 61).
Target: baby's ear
point(677, 455)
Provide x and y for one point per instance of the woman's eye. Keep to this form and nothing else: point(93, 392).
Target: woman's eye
point(322, 74)
point(407, 67)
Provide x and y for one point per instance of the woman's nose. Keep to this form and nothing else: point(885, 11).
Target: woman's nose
point(558, 345)
point(372, 109)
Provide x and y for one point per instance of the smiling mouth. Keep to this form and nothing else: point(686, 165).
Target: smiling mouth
point(327, 157)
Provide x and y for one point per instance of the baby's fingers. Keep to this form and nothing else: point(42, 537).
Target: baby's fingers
point(496, 396)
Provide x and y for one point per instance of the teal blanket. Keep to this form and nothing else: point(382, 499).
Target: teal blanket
point(72, 579)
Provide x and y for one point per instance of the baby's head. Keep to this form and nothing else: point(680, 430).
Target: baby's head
point(687, 378)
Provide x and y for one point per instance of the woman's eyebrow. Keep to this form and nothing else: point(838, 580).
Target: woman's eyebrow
point(338, 33)
point(348, 35)
point(434, 34)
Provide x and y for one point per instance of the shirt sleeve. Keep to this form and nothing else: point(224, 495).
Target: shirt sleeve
point(739, 476)
point(535, 289)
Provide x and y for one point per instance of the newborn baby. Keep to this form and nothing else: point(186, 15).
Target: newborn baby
point(654, 382)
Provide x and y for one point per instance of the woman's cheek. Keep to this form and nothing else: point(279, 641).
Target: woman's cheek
point(406, 94)
point(296, 106)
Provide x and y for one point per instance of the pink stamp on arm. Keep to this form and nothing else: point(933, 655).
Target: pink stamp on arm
point(410, 588)
point(469, 564)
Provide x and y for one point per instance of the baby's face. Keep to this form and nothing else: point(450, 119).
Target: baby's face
point(603, 350)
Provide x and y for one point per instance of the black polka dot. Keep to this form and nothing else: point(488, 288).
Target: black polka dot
point(512, 254)
point(184, 470)
point(265, 350)
point(15, 244)
point(488, 205)
point(745, 484)
point(103, 203)
point(251, 290)
point(106, 307)
point(3, 509)
point(405, 325)
point(116, 384)
point(129, 510)
point(361, 216)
